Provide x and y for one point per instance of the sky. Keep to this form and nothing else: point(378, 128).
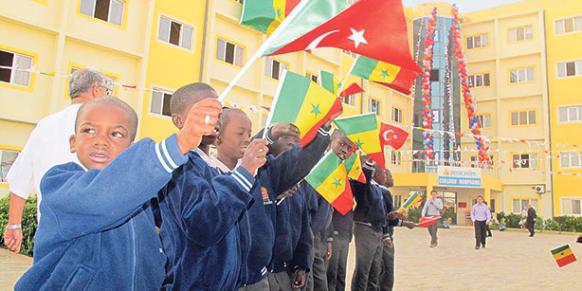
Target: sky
point(465, 5)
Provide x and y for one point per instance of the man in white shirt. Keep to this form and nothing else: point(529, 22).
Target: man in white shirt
point(432, 207)
point(48, 146)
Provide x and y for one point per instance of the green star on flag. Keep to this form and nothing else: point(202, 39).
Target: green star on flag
point(384, 74)
point(359, 144)
point(315, 109)
point(337, 182)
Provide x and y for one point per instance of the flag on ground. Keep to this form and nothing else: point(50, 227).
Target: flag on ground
point(354, 167)
point(411, 201)
point(563, 255)
point(303, 103)
point(393, 136)
point(330, 179)
point(389, 75)
point(364, 131)
point(266, 15)
point(373, 28)
point(427, 221)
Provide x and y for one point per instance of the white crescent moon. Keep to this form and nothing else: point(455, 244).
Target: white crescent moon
point(384, 135)
point(316, 41)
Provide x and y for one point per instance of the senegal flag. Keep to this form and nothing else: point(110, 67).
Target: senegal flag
point(303, 103)
point(330, 179)
point(563, 255)
point(411, 201)
point(332, 84)
point(389, 75)
point(266, 15)
point(353, 165)
point(364, 131)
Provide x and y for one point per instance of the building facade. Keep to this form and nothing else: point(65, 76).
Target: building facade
point(523, 73)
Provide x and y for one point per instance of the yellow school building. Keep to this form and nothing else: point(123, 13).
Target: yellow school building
point(522, 60)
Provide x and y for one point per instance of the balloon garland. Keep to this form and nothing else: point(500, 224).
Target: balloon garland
point(482, 144)
point(427, 117)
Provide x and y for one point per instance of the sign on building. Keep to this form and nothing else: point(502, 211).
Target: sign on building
point(459, 177)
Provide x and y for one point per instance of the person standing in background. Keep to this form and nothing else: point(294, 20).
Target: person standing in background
point(433, 206)
point(481, 216)
point(531, 220)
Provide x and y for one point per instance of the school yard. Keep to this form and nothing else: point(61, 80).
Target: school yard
point(511, 261)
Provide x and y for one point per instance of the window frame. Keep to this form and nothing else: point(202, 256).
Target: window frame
point(571, 199)
point(124, 12)
point(526, 73)
point(473, 38)
point(563, 67)
point(283, 66)
point(161, 89)
point(481, 119)
point(529, 200)
point(570, 158)
point(397, 112)
point(372, 100)
point(32, 75)
point(527, 113)
point(568, 119)
point(574, 28)
point(2, 173)
point(235, 54)
point(181, 35)
point(472, 80)
point(532, 160)
point(516, 29)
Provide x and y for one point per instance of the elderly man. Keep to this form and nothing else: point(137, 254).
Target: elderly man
point(47, 146)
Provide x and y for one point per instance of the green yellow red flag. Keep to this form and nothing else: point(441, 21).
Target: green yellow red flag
point(563, 255)
point(364, 131)
point(303, 103)
point(266, 15)
point(330, 179)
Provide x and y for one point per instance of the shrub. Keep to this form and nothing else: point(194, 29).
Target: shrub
point(28, 223)
point(512, 220)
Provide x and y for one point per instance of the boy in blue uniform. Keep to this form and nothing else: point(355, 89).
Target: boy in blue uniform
point(200, 209)
point(257, 225)
point(293, 240)
point(98, 231)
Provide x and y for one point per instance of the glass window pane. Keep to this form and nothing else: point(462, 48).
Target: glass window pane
point(469, 42)
point(156, 103)
point(574, 160)
point(576, 207)
point(477, 40)
point(528, 32)
point(221, 50)
point(116, 14)
point(530, 74)
point(239, 56)
point(563, 114)
point(513, 35)
point(164, 29)
point(25, 63)
point(520, 34)
point(523, 117)
point(513, 76)
point(485, 40)
point(516, 206)
point(568, 25)
point(573, 113)
point(268, 67)
point(578, 23)
point(570, 69)
point(532, 117)
point(560, 27)
point(229, 55)
point(187, 32)
point(486, 80)
point(87, 7)
point(276, 68)
point(564, 159)
point(561, 70)
point(514, 118)
point(578, 68)
point(175, 29)
point(534, 203)
point(166, 106)
point(102, 9)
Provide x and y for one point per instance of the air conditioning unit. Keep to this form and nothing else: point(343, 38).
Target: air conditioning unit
point(540, 189)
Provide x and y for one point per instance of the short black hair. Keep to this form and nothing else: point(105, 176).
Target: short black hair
point(187, 95)
point(225, 115)
point(112, 101)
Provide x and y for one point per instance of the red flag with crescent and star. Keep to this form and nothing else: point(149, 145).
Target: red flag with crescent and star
point(393, 136)
point(372, 28)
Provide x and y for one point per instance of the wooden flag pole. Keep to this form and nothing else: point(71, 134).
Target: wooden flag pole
point(262, 48)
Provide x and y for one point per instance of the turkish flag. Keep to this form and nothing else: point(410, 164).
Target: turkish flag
point(372, 28)
point(351, 90)
point(427, 221)
point(392, 136)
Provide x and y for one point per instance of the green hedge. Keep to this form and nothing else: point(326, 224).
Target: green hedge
point(28, 223)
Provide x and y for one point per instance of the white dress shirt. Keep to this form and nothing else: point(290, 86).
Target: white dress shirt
point(47, 146)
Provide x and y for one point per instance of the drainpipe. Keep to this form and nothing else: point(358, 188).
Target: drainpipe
point(204, 32)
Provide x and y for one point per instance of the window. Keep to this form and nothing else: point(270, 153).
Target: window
point(229, 52)
point(374, 106)
point(570, 69)
point(475, 162)
point(240, 1)
point(479, 80)
point(313, 77)
point(274, 69)
point(396, 115)
point(106, 10)
point(570, 113)
point(524, 161)
point(396, 157)
point(18, 65)
point(176, 33)
point(484, 120)
point(523, 118)
point(571, 159)
point(481, 40)
point(571, 206)
point(434, 75)
point(7, 158)
point(350, 99)
point(520, 204)
point(521, 75)
point(436, 116)
point(160, 103)
point(520, 33)
point(568, 25)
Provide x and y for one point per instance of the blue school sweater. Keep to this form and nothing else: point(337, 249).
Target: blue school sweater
point(320, 212)
point(389, 207)
point(200, 211)
point(257, 227)
point(97, 231)
point(369, 201)
point(293, 239)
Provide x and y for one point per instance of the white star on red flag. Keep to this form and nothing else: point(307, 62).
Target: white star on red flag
point(357, 37)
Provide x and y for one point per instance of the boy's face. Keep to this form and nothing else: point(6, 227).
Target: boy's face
point(235, 136)
point(341, 145)
point(103, 132)
point(285, 143)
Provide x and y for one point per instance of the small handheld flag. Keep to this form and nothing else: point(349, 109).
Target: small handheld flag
point(427, 221)
point(411, 201)
point(563, 255)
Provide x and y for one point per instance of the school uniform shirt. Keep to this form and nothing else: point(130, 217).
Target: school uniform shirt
point(47, 146)
point(321, 213)
point(343, 225)
point(389, 207)
point(293, 240)
point(257, 225)
point(369, 201)
point(200, 210)
point(97, 231)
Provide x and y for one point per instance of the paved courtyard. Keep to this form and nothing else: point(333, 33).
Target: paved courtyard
point(511, 261)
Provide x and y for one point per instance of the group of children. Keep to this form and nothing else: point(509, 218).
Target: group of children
point(171, 216)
